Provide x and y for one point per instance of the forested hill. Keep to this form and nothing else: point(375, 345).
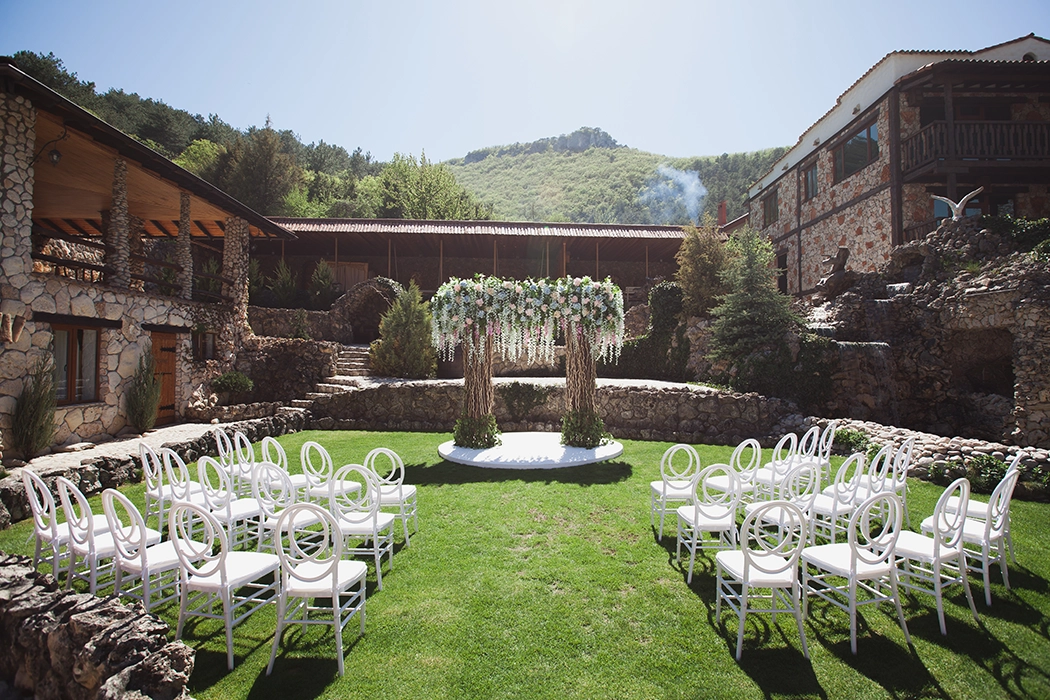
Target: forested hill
point(587, 176)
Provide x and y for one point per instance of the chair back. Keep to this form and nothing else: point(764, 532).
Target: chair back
point(808, 444)
point(753, 452)
point(873, 530)
point(177, 474)
point(948, 524)
point(783, 453)
point(801, 485)
point(272, 488)
point(999, 505)
point(316, 463)
point(199, 540)
point(354, 505)
point(152, 467)
point(41, 503)
point(225, 449)
point(680, 463)
point(827, 441)
point(273, 451)
point(902, 461)
point(773, 550)
point(879, 475)
point(307, 553)
point(713, 503)
point(847, 479)
point(78, 513)
point(392, 479)
point(244, 455)
point(127, 526)
point(216, 485)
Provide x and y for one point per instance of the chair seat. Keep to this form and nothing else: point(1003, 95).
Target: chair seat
point(159, 557)
point(393, 494)
point(974, 509)
point(98, 522)
point(348, 572)
point(973, 530)
point(240, 509)
point(717, 519)
point(323, 490)
point(167, 491)
point(675, 490)
point(365, 527)
point(105, 547)
point(732, 561)
point(835, 559)
point(828, 505)
point(721, 483)
point(241, 568)
point(303, 519)
point(920, 547)
point(774, 515)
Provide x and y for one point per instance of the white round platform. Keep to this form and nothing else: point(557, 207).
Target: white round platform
point(529, 451)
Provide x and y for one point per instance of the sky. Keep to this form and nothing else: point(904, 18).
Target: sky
point(679, 78)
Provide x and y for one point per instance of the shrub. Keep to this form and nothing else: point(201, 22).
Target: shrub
point(405, 348)
point(653, 355)
point(586, 430)
point(985, 472)
point(285, 286)
point(33, 420)
point(521, 398)
point(300, 328)
point(233, 382)
point(143, 395)
point(256, 282)
point(701, 260)
point(1027, 233)
point(848, 440)
point(476, 433)
point(322, 287)
point(1042, 251)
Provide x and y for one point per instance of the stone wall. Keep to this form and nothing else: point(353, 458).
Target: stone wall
point(61, 645)
point(285, 368)
point(279, 323)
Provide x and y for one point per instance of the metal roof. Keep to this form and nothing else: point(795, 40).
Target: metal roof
point(478, 228)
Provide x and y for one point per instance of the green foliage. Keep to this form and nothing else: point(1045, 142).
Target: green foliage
point(476, 433)
point(300, 327)
point(972, 266)
point(256, 281)
point(425, 190)
point(985, 472)
point(522, 398)
point(701, 261)
point(322, 286)
point(210, 266)
point(586, 430)
point(33, 420)
point(201, 157)
point(663, 352)
point(753, 320)
point(143, 395)
point(285, 286)
point(404, 348)
point(1027, 233)
point(257, 171)
point(848, 440)
point(233, 382)
point(1042, 251)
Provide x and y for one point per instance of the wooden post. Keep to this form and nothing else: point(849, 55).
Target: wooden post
point(494, 269)
point(547, 245)
point(646, 261)
point(441, 262)
point(596, 276)
point(389, 268)
point(564, 259)
point(949, 119)
point(337, 250)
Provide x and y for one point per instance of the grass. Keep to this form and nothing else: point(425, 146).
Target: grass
point(551, 584)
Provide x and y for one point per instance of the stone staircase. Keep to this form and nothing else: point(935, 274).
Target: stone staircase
point(351, 363)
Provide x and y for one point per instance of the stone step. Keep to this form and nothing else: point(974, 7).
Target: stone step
point(326, 388)
point(298, 405)
point(311, 395)
point(351, 365)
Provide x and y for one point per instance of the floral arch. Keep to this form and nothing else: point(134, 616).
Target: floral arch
point(523, 318)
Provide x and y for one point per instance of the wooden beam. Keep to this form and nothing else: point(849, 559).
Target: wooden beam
point(389, 258)
point(97, 225)
point(76, 227)
point(203, 230)
point(441, 261)
point(494, 273)
point(160, 227)
point(596, 275)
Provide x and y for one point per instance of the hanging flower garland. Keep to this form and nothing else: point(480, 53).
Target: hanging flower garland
point(523, 317)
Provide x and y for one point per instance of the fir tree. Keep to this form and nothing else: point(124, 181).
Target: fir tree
point(702, 259)
point(33, 420)
point(143, 395)
point(404, 348)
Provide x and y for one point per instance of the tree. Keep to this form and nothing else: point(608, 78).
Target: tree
point(404, 348)
point(258, 171)
point(143, 393)
point(425, 190)
point(754, 319)
point(201, 158)
point(701, 259)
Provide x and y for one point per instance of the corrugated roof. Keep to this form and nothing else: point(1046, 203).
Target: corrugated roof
point(477, 228)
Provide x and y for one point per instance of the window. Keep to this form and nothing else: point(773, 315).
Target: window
point(809, 182)
point(770, 210)
point(76, 364)
point(782, 272)
point(203, 344)
point(857, 151)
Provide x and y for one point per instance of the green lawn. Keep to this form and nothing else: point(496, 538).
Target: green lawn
point(551, 584)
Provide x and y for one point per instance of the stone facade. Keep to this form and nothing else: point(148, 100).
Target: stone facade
point(62, 645)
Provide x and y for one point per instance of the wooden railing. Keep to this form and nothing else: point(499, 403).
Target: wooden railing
point(977, 140)
point(918, 231)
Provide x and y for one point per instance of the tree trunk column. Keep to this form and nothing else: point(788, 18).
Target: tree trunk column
point(580, 374)
point(480, 395)
point(184, 252)
point(118, 247)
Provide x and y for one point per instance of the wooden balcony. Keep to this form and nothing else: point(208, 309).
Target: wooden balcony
point(971, 146)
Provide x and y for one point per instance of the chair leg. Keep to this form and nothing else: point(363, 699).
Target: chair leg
point(740, 625)
point(938, 597)
point(897, 603)
point(277, 635)
point(183, 602)
point(338, 622)
point(966, 585)
point(227, 617)
point(795, 595)
point(853, 616)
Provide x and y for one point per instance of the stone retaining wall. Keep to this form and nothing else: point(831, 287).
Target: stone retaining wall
point(60, 645)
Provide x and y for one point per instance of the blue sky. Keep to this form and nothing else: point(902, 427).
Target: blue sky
point(676, 78)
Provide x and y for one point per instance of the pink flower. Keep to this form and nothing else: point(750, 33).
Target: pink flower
point(577, 281)
point(470, 321)
point(457, 287)
point(479, 302)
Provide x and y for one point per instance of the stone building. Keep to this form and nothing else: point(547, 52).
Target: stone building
point(917, 124)
point(109, 248)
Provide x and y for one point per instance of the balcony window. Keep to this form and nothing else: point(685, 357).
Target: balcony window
point(76, 364)
point(770, 210)
point(809, 182)
point(856, 152)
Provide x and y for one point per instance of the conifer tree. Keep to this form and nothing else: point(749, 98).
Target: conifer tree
point(404, 348)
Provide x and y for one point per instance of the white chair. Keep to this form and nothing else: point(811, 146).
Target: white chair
point(783, 458)
point(211, 572)
point(274, 453)
point(980, 509)
point(980, 537)
point(180, 486)
point(768, 559)
point(155, 566)
point(318, 470)
point(808, 445)
point(890, 474)
point(240, 516)
point(273, 490)
point(928, 564)
point(833, 507)
point(827, 443)
point(673, 488)
point(84, 541)
point(393, 492)
point(746, 458)
point(865, 561)
point(877, 476)
point(243, 463)
point(158, 493)
point(312, 567)
point(800, 487)
point(709, 510)
point(46, 528)
point(224, 447)
point(359, 518)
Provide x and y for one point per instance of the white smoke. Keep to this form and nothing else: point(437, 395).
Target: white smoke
point(674, 196)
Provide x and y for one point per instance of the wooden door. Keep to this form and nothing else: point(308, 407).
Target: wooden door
point(164, 360)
